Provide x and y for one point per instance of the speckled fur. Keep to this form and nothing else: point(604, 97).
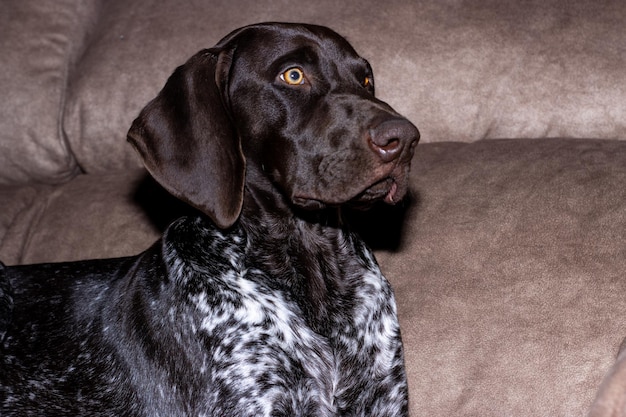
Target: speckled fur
point(197, 327)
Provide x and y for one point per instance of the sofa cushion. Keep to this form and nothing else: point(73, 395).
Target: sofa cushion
point(611, 401)
point(510, 275)
point(457, 69)
point(20, 206)
point(39, 41)
point(92, 216)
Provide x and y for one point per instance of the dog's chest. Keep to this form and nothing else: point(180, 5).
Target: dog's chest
point(260, 351)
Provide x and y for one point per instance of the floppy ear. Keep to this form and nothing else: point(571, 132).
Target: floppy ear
point(187, 141)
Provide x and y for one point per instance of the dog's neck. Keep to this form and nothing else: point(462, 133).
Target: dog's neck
point(272, 222)
point(265, 206)
point(302, 247)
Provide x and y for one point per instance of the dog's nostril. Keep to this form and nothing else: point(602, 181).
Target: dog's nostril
point(390, 145)
point(388, 150)
point(384, 138)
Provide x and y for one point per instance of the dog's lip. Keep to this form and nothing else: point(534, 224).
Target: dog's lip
point(388, 189)
point(390, 198)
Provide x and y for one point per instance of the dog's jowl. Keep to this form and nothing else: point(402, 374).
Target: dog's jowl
point(262, 304)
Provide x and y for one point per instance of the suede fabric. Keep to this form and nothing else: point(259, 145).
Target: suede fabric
point(459, 70)
point(39, 41)
point(20, 205)
point(90, 217)
point(510, 276)
point(75, 73)
point(508, 266)
point(611, 401)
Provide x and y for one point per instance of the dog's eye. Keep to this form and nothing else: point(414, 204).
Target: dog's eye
point(293, 76)
point(367, 82)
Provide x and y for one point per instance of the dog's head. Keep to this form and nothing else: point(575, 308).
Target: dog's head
point(287, 105)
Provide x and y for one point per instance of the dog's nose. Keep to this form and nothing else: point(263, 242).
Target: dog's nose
point(390, 137)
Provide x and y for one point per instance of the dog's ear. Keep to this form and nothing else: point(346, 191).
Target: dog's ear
point(187, 141)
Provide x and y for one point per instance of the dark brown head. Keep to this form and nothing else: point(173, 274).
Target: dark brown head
point(288, 108)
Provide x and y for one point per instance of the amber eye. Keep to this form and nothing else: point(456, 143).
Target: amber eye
point(367, 82)
point(293, 76)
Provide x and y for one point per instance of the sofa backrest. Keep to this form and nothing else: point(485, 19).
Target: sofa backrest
point(39, 43)
point(75, 73)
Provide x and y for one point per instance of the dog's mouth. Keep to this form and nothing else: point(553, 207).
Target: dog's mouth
point(385, 189)
point(390, 189)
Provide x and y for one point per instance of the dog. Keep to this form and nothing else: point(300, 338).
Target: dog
point(263, 304)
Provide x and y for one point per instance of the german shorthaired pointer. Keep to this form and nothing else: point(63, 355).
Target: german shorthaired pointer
point(261, 305)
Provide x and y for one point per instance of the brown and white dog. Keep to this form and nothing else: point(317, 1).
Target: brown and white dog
point(261, 305)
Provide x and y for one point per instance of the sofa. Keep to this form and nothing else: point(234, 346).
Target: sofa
point(508, 260)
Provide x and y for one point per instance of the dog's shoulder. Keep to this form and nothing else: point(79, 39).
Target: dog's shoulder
point(241, 308)
point(201, 295)
point(52, 352)
point(251, 332)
